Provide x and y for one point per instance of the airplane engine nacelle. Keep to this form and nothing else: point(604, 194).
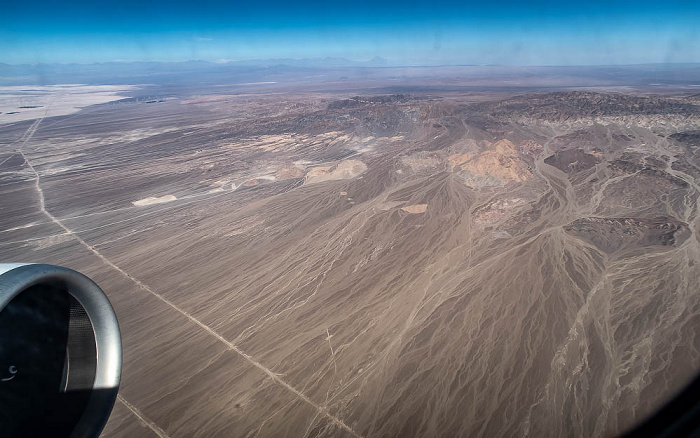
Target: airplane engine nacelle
point(60, 353)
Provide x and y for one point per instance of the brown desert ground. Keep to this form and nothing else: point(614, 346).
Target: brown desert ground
point(316, 264)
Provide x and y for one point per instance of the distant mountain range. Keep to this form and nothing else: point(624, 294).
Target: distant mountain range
point(313, 62)
point(117, 72)
point(331, 69)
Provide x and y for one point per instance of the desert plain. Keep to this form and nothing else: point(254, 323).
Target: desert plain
point(367, 259)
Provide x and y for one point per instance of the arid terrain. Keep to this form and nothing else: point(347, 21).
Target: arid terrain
point(335, 263)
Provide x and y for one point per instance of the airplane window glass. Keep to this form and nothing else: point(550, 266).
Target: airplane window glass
point(358, 219)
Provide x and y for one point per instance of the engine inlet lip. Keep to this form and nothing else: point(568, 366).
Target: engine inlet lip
point(18, 277)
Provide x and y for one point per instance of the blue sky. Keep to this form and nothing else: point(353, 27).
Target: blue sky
point(402, 32)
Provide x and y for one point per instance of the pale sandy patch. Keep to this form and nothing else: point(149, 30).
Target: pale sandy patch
point(154, 200)
point(346, 169)
point(18, 103)
point(289, 171)
point(415, 209)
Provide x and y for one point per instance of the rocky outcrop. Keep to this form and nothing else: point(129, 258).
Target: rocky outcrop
point(616, 234)
point(499, 163)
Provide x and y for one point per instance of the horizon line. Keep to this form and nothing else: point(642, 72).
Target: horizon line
point(263, 60)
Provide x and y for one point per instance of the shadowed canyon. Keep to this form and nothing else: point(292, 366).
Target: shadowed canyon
point(332, 263)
